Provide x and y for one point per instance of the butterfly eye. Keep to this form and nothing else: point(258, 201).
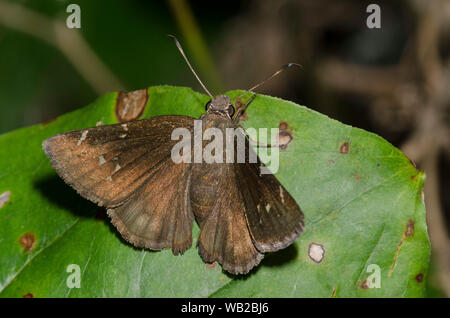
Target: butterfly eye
point(230, 110)
point(207, 105)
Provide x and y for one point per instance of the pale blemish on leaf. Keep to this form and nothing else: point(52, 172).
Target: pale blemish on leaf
point(316, 252)
point(284, 139)
point(285, 135)
point(130, 106)
point(4, 197)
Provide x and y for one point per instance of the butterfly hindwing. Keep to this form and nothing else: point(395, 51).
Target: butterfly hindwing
point(273, 217)
point(159, 215)
point(224, 235)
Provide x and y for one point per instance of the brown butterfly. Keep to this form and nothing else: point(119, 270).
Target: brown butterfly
point(153, 201)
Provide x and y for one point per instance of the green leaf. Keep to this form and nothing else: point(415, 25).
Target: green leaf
point(362, 206)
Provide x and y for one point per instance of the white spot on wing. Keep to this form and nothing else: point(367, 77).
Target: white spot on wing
point(108, 178)
point(281, 194)
point(125, 127)
point(117, 167)
point(316, 252)
point(101, 160)
point(83, 137)
point(123, 136)
point(268, 207)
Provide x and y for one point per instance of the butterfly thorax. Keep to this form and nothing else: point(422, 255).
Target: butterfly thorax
point(206, 177)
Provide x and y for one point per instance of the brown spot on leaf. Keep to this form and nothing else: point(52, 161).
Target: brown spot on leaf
point(4, 197)
point(345, 148)
point(357, 176)
point(364, 285)
point(284, 139)
point(211, 265)
point(130, 106)
point(28, 295)
point(409, 228)
point(28, 241)
point(419, 277)
point(408, 233)
point(283, 125)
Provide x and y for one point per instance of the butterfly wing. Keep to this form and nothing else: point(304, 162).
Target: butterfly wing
point(159, 215)
point(224, 235)
point(117, 166)
point(273, 217)
point(107, 164)
point(246, 215)
point(252, 214)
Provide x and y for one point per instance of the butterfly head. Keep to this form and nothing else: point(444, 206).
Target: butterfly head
point(220, 105)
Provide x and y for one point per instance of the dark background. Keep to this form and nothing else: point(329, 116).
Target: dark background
point(393, 81)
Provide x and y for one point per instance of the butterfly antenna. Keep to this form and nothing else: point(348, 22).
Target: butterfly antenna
point(284, 67)
point(189, 64)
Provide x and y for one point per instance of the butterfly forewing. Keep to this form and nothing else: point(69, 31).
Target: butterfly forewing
point(127, 168)
point(107, 164)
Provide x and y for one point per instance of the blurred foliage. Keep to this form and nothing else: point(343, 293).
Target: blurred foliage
point(37, 82)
